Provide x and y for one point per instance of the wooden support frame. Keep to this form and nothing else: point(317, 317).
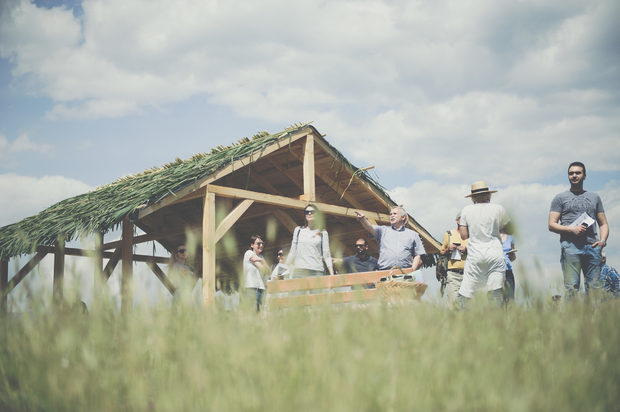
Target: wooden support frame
point(308, 170)
point(232, 218)
point(127, 265)
point(59, 270)
point(4, 284)
point(208, 250)
point(25, 270)
point(97, 258)
point(162, 277)
point(293, 203)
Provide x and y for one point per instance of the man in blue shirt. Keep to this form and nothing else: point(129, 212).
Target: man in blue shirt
point(398, 246)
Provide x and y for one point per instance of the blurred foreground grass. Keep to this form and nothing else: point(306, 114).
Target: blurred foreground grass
point(419, 356)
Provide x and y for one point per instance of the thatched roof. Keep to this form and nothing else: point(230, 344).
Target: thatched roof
point(104, 208)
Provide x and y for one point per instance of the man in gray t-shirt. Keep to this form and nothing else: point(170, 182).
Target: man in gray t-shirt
point(574, 215)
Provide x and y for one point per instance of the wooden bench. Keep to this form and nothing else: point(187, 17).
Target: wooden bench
point(320, 290)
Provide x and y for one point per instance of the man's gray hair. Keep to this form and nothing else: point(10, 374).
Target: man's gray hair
point(402, 210)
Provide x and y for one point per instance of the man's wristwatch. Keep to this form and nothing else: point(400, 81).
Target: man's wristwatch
point(604, 242)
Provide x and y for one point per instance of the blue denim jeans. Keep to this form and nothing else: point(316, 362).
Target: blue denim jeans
point(576, 258)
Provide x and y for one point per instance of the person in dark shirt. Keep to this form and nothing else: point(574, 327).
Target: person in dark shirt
point(361, 261)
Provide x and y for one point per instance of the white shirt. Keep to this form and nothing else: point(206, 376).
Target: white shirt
point(483, 221)
point(253, 279)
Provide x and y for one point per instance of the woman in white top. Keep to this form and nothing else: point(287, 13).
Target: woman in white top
point(253, 267)
point(309, 253)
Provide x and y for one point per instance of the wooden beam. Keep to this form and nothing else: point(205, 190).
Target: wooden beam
point(286, 220)
point(287, 202)
point(112, 262)
point(25, 270)
point(237, 164)
point(208, 250)
point(106, 255)
point(373, 190)
point(59, 270)
point(288, 173)
point(98, 263)
point(162, 277)
point(142, 239)
point(4, 284)
point(324, 176)
point(231, 219)
point(127, 266)
point(334, 281)
point(309, 183)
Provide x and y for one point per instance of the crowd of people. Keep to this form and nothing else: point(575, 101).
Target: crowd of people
point(478, 253)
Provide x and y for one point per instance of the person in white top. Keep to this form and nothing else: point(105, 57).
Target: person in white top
point(310, 247)
point(481, 223)
point(254, 267)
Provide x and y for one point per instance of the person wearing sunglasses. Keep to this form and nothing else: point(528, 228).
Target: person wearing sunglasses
point(309, 254)
point(361, 261)
point(180, 272)
point(254, 267)
point(279, 268)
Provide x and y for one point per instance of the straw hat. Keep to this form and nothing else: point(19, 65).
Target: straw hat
point(480, 187)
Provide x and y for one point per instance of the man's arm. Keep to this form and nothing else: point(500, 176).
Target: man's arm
point(464, 232)
point(556, 227)
point(603, 227)
point(365, 223)
point(416, 263)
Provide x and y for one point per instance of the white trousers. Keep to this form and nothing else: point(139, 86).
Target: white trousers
point(485, 267)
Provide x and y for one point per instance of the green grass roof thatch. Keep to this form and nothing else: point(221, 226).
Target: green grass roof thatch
point(104, 208)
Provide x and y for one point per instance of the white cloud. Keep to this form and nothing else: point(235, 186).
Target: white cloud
point(23, 196)
point(21, 144)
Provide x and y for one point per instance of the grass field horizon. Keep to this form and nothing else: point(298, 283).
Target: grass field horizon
point(541, 356)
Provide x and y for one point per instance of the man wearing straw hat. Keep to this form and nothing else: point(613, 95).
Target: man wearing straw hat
point(481, 223)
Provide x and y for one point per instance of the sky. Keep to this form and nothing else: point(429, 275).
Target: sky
point(434, 94)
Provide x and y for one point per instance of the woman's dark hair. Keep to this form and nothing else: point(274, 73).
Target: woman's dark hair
point(253, 239)
point(276, 252)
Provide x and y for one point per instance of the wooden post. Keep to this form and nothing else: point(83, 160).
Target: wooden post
point(98, 279)
point(59, 270)
point(208, 250)
point(309, 184)
point(127, 266)
point(4, 284)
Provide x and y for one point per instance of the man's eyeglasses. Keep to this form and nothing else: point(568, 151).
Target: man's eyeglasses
point(280, 254)
point(260, 243)
point(309, 212)
point(360, 245)
point(574, 173)
point(181, 250)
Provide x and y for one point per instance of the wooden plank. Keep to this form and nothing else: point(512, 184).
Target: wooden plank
point(287, 173)
point(293, 203)
point(25, 270)
point(335, 186)
point(308, 170)
point(328, 282)
point(4, 283)
point(59, 270)
point(105, 255)
point(162, 277)
point(286, 220)
point(180, 196)
point(127, 266)
point(323, 298)
point(232, 218)
point(208, 250)
point(112, 262)
point(97, 258)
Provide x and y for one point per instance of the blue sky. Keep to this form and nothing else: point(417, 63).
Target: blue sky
point(435, 95)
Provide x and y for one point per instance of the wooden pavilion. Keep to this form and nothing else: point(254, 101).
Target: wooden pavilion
point(219, 198)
